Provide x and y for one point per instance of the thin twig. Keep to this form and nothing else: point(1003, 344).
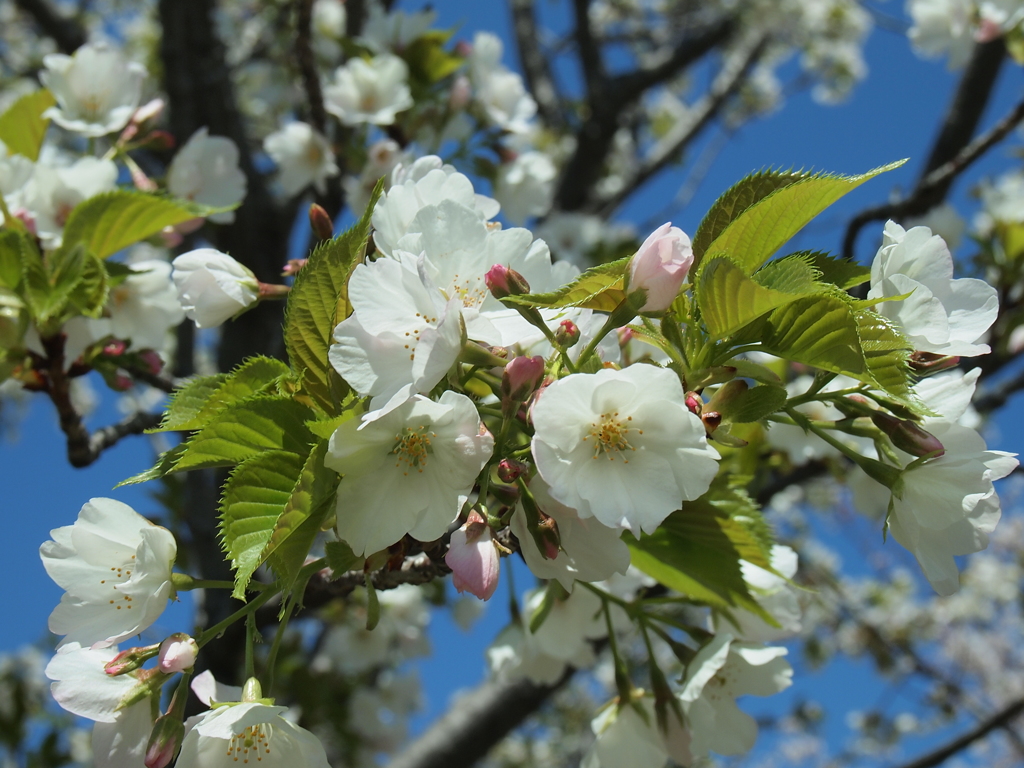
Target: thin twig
point(997, 396)
point(135, 424)
point(307, 64)
point(536, 70)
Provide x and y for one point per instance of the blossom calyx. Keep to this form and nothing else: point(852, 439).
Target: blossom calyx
point(131, 659)
point(660, 266)
point(177, 653)
point(503, 281)
point(567, 334)
point(509, 470)
point(908, 436)
point(164, 741)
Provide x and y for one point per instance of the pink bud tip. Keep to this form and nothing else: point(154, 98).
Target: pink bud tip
point(521, 378)
point(510, 470)
point(115, 348)
point(473, 558)
point(567, 334)
point(502, 282)
point(694, 402)
point(152, 361)
point(661, 266)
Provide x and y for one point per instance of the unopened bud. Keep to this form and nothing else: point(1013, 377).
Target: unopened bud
point(130, 659)
point(321, 222)
point(141, 181)
point(152, 361)
point(463, 48)
point(293, 266)
point(521, 378)
point(178, 653)
point(567, 334)
point(460, 93)
point(660, 266)
point(502, 282)
point(252, 690)
point(727, 395)
point(121, 382)
point(929, 362)
point(712, 420)
point(164, 741)
point(148, 111)
point(160, 140)
point(547, 537)
point(115, 348)
point(694, 403)
point(908, 436)
point(510, 470)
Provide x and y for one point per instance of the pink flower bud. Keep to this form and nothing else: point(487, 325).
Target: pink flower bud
point(115, 348)
point(152, 361)
point(695, 403)
point(463, 48)
point(121, 382)
point(502, 282)
point(908, 436)
point(164, 741)
point(521, 378)
point(567, 334)
point(321, 222)
point(177, 653)
point(660, 266)
point(460, 94)
point(473, 558)
point(509, 470)
point(148, 111)
point(293, 266)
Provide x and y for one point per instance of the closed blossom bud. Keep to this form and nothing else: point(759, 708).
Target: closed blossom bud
point(164, 741)
point(178, 653)
point(502, 282)
point(712, 420)
point(510, 470)
point(293, 266)
point(930, 362)
point(321, 222)
point(548, 537)
point(660, 266)
point(460, 94)
point(908, 436)
point(567, 334)
point(473, 558)
point(120, 382)
point(695, 403)
point(130, 659)
point(212, 286)
point(115, 348)
point(521, 378)
point(152, 361)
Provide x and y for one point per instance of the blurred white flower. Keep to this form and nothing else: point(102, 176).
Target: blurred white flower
point(303, 157)
point(524, 186)
point(206, 171)
point(373, 91)
point(96, 89)
point(52, 193)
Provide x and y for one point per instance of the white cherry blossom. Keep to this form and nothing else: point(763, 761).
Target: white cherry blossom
point(206, 171)
point(942, 315)
point(590, 551)
point(499, 91)
point(82, 687)
point(373, 91)
point(212, 287)
point(524, 186)
point(303, 156)
point(143, 308)
point(115, 568)
point(720, 672)
point(393, 31)
point(408, 471)
point(622, 446)
point(625, 738)
point(402, 334)
point(96, 89)
point(52, 192)
point(248, 732)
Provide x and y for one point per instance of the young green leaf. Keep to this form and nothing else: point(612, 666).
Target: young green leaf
point(761, 229)
point(23, 126)
point(11, 244)
point(318, 302)
point(754, 404)
point(598, 288)
point(164, 464)
point(340, 557)
point(106, 223)
point(839, 272)
point(188, 402)
point(253, 501)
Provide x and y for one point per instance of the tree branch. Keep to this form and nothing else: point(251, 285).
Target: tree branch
point(943, 753)
point(590, 53)
point(952, 153)
point(478, 721)
point(997, 396)
point(65, 32)
point(535, 66)
point(307, 64)
point(729, 78)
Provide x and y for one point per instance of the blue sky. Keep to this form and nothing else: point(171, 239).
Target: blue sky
point(892, 115)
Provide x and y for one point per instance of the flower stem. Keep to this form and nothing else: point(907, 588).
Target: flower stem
point(209, 634)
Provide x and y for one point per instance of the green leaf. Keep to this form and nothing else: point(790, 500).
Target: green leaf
point(89, 294)
point(47, 290)
point(114, 220)
point(840, 272)
point(310, 503)
point(340, 557)
point(195, 405)
point(428, 60)
point(262, 423)
point(754, 404)
point(164, 464)
point(697, 552)
point(748, 369)
point(738, 198)
point(599, 288)
point(324, 428)
point(23, 126)
point(729, 299)
point(11, 244)
point(254, 499)
point(318, 302)
point(762, 228)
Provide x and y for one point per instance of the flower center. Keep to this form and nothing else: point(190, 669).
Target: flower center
point(414, 334)
point(412, 445)
point(253, 742)
point(118, 576)
point(472, 291)
point(610, 435)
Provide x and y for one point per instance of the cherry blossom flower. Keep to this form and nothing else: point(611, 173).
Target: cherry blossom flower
point(473, 558)
point(499, 91)
point(622, 446)
point(96, 89)
point(720, 672)
point(381, 159)
point(142, 308)
point(524, 186)
point(206, 171)
point(230, 735)
point(303, 157)
point(373, 91)
point(590, 550)
point(393, 30)
point(115, 566)
point(948, 505)
point(402, 336)
point(212, 286)
point(660, 267)
point(52, 193)
point(942, 315)
point(625, 738)
point(418, 462)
